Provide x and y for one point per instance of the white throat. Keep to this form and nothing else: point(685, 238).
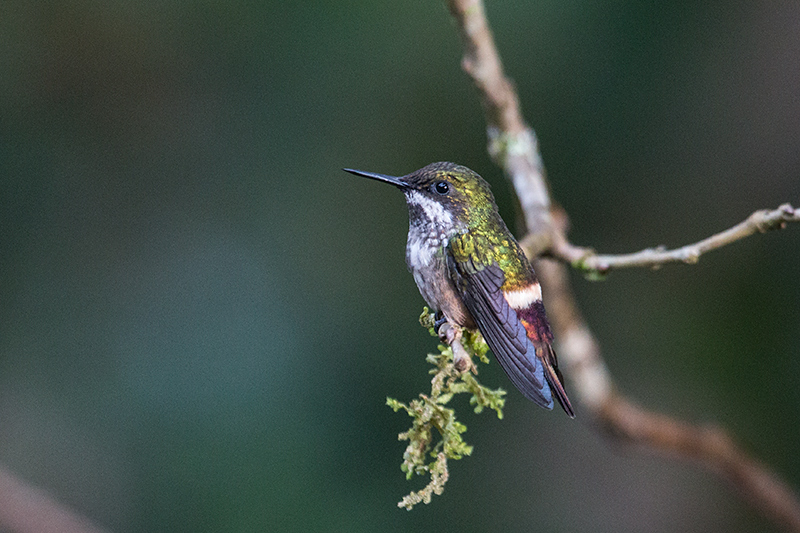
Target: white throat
point(429, 230)
point(433, 211)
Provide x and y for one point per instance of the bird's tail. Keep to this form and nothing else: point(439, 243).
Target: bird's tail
point(546, 354)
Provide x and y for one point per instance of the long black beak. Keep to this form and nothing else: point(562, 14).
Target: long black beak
point(397, 182)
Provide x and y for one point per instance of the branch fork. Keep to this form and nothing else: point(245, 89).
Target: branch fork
point(578, 349)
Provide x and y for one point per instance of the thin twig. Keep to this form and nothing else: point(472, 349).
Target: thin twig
point(578, 349)
point(589, 261)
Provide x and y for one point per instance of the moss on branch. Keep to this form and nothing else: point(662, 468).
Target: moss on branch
point(435, 435)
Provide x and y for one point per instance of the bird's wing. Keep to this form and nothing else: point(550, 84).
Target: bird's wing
point(482, 294)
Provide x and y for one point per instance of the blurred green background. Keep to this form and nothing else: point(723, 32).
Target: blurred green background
point(201, 315)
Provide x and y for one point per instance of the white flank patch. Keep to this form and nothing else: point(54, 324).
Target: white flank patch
point(524, 297)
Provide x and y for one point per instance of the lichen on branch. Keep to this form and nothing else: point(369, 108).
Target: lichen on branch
point(435, 433)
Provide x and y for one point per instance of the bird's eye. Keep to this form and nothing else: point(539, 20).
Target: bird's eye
point(441, 187)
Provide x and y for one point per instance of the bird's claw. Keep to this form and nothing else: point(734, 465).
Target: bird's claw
point(439, 320)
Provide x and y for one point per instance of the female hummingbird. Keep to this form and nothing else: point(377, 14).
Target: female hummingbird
point(470, 269)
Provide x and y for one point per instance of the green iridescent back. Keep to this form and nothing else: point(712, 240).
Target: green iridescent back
point(487, 239)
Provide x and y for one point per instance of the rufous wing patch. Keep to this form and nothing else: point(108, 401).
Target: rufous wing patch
point(535, 321)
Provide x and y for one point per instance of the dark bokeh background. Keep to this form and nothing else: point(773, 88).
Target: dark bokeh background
point(201, 315)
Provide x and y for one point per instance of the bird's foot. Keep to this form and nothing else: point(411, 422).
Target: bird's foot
point(439, 320)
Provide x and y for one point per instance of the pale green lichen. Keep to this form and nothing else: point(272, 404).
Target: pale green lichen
point(429, 414)
point(589, 272)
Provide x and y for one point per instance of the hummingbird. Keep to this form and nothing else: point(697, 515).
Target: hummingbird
point(473, 273)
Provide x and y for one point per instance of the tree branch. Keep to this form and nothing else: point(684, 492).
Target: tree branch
point(708, 446)
point(512, 143)
point(590, 262)
point(513, 146)
point(26, 509)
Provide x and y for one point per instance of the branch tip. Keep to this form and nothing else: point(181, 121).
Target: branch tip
point(590, 262)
